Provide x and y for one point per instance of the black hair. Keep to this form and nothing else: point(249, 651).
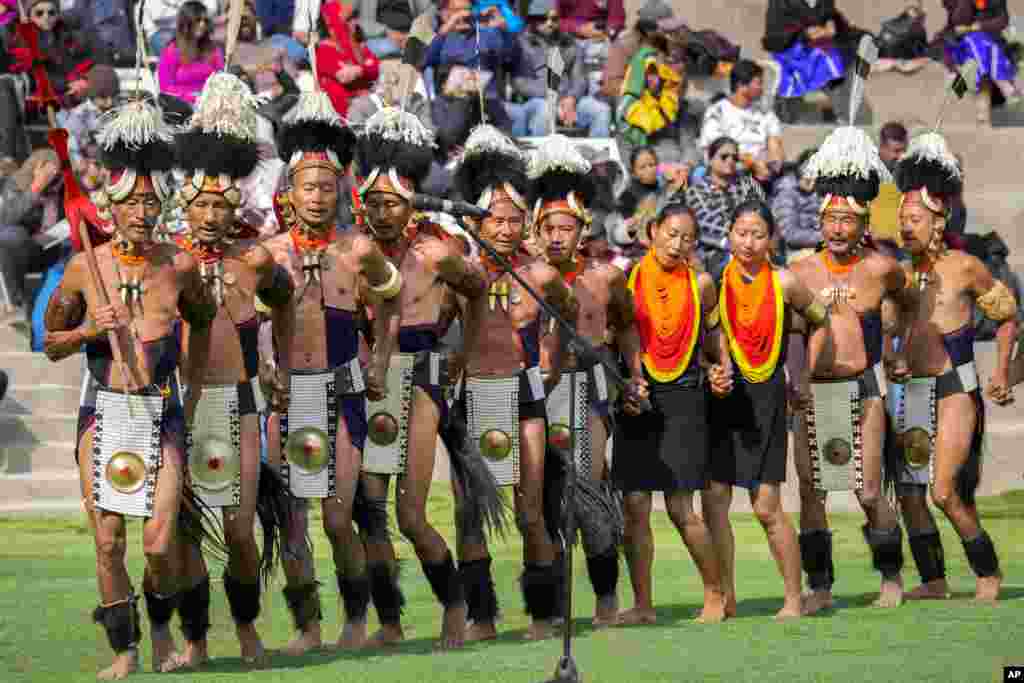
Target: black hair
point(676, 206)
point(757, 207)
point(490, 169)
point(637, 151)
point(743, 73)
point(894, 131)
point(214, 153)
point(316, 136)
point(720, 142)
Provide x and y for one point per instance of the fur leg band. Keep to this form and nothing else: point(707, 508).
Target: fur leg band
point(928, 555)
point(445, 582)
point(160, 608)
point(886, 550)
point(121, 622)
point(540, 591)
point(194, 610)
point(387, 595)
point(816, 558)
point(355, 596)
point(604, 573)
point(304, 604)
point(982, 555)
point(243, 599)
point(481, 597)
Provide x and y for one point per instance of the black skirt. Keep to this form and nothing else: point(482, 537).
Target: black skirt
point(665, 448)
point(748, 433)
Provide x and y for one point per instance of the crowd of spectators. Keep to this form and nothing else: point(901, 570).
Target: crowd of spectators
point(484, 60)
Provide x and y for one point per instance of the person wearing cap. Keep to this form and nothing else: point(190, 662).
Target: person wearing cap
point(83, 122)
point(133, 418)
point(592, 19)
point(943, 447)
point(856, 281)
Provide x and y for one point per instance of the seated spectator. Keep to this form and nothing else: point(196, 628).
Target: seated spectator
point(498, 14)
point(812, 44)
point(893, 139)
point(592, 19)
point(974, 32)
point(275, 16)
point(108, 28)
point(8, 12)
point(713, 199)
point(650, 20)
point(160, 22)
point(464, 61)
point(576, 108)
point(758, 133)
point(648, 111)
point(345, 65)
point(83, 122)
point(795, 207)
point(884, 221)
point(386, 23)
point(30, 202)
point(66, 65)
point(192, 57)
point(903, 41)
point(268, 68)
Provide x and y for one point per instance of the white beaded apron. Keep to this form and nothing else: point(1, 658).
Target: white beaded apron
point(558, 402)
point(214, 444)
point(126, 452)
point(387, 442)
point(834, 436)
point(311, 424)
point(492, 413)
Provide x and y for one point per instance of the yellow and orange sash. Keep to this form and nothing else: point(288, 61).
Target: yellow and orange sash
point(752, 317)
point(667, 316)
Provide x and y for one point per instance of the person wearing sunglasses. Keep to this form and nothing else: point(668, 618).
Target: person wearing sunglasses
point(714, 197)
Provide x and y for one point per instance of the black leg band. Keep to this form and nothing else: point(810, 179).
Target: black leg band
point(194, 610)
point(160, 608)
point(604, 573)
point(886, 550)
point(121, 622)
point(355, 596)
point(816, 558)
point(982, 555)
point(387, 595)
point(929, 556)
point(481, 599)
point(445, 582)
point(304, 604)
point(243, 599)
point(540, 591)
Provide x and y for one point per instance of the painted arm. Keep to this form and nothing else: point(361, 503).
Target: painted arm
point(67, 326)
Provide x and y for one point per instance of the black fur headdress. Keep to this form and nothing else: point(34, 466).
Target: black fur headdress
point(395, 139)
point(490, 160)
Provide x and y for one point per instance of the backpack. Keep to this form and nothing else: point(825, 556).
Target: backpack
point(705, 49)
point(903, 37)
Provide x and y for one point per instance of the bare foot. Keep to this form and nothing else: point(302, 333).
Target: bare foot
point(195, 655)
point(891, 594)
point(453, 628)
point(933, 590)
point(125, 663)
point(606, 612)
point(815, 601)
point(253, 652)
point(354, 636)
point(165, 652)
point(388, 635)
point(987, 588)
point(637, 616)
point(540, 629)
point(791, 609)
point(730, 605)
point(306, 640)
point(481, 630)
point(714, 608)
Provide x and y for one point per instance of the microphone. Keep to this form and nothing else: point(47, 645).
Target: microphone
point(425, 202)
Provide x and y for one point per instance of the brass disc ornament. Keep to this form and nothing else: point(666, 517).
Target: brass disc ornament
point(214, 464)
point(495, 445)
point(838, 452)
point(308, 449)
point(126, 472)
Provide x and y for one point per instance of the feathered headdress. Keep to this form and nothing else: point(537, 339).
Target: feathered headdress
point(218, 146)
point(491, 163)
point(134, 141)
point(847, 169)
point(396, 144)
point(560, 180)
point(929, 173)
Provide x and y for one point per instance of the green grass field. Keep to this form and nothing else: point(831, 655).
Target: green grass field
point(47, 592)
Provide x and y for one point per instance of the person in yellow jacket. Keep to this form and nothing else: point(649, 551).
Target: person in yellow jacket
point(650, 98)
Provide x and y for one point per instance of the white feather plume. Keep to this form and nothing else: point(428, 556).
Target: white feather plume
point(134, 124)
point(485, 139)
point(313, 106)
point(931, 146)
point(391, 123)
point(557, 153)
point(847, 151)
point(226, 106)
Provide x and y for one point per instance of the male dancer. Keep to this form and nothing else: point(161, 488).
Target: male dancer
point(395, 153)
point(323, 431)
point(502, 353)
point(853, 279)
point(131, 426)
point(561, 191)
point(946, 440)
point(216, 151)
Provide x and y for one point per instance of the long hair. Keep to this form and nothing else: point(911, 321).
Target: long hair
point(189, 14)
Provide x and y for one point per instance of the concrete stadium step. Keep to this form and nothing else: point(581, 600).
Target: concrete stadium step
point(25, 368)
point(41, 398)
point(26, 456)
point(37, 427)
point(41, 490)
